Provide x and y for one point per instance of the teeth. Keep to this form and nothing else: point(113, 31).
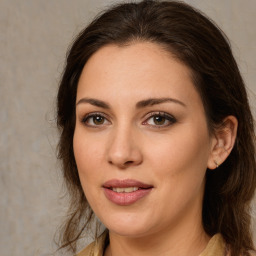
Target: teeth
point(125, 190)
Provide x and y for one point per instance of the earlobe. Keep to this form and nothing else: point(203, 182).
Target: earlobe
point(223, 142)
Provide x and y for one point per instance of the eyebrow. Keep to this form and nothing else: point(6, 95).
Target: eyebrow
point(140, 104)
point(94, 102)
point(155, 101)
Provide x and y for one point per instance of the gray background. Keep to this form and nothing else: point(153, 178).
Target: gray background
point(34, 37)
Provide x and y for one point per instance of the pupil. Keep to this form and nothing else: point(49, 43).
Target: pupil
point(98, 120)
point(159, 120)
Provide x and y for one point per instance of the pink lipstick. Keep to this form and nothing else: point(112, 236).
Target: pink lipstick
point(125, 192)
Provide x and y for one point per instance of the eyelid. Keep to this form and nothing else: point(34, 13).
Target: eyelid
point(93, 114)
point(169, 117)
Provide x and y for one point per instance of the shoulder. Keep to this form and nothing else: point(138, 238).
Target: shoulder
point(252, 253)
point(96, 248)
point(88, 251)
point(215, 247)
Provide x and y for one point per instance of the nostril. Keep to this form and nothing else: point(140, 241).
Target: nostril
point(128, 162)
point(122, 165)
point(124, 159)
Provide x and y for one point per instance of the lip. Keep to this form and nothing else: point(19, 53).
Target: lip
point(126, 198)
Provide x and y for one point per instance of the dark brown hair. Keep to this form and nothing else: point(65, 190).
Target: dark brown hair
point(202, 46)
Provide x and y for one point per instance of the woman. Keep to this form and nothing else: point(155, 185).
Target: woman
point(157, 137)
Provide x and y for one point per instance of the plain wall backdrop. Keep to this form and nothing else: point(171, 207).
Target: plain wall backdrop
point(35, 35)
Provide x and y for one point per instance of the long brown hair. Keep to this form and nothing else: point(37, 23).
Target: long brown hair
point(202, 46)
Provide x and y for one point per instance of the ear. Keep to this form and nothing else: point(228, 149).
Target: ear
point(223, 141)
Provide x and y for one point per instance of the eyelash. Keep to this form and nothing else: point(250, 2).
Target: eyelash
point(171, 119)
point(167, 117)
point(93, 115)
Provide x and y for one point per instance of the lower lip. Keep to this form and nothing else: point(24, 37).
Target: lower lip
point(126, 198)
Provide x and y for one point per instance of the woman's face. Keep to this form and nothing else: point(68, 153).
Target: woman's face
point(141, 141)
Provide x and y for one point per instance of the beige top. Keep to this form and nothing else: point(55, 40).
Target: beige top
point(215, 247)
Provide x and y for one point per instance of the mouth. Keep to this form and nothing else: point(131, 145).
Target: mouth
point(126, 186)
point(125, 192)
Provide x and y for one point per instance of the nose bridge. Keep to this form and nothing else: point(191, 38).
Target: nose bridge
point(124, 149)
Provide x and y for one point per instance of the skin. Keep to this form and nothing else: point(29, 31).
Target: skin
point(127, 143)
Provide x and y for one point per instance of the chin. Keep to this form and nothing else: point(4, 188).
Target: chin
point(127, 226)
point(128, 231)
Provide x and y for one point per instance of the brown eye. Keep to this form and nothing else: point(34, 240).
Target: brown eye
point(159, 120)
point(94, 120)
point(98, 120)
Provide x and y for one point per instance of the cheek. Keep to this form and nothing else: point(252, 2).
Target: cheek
point(178, 164)
point(88, 155)
point(183, 152)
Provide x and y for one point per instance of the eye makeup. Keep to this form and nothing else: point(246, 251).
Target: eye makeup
point(156, 119)
point(159, 119)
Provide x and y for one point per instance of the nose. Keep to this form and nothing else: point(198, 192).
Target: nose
point(125, 149)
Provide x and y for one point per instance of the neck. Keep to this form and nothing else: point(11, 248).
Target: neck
point(181, 241)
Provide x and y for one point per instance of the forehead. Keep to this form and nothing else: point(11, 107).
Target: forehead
point(142, 55)
point(139, 70)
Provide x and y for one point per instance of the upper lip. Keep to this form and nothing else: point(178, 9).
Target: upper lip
point(115, 183)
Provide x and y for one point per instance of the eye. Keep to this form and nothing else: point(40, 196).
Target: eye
point(160, 119)
point(95, 119)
